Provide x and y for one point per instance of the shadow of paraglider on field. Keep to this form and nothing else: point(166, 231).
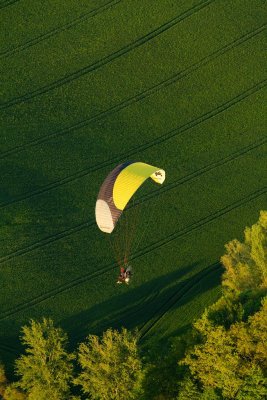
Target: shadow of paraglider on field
point(142, 307)
point(192, 288)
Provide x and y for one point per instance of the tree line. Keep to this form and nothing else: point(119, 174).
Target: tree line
point(223, 355)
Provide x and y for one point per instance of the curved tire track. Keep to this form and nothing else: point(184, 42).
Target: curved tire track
point(107, 59)
point(144, 198)
point(207, 168)
point(68, 232)
point(160, 139)
point(7, 3)
point(175, 298)
point(156, 245)
point(59, 29)
point(184, 287)
point(134, 99)
point(201, 222)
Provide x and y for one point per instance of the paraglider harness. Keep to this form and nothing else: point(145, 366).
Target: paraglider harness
point(125, 274)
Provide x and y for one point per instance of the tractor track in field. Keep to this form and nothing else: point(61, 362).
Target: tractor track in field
point(160, 139)
point(207, 168)
point(175, 298)
point(7, 3)
point(58, 29)
point(195, 174)
point(136, 310)
point(107, 59)
point(203, 221)
point(128, 313)
point(153, 246)
point(131, 312)
point(139, 97)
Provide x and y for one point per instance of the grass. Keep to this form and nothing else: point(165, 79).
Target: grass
point(182, 86)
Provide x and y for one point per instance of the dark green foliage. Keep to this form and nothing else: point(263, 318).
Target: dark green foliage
point(225, 311)
point(210, 394)
point(251, 301)
point(189, 390)
point(163, 372)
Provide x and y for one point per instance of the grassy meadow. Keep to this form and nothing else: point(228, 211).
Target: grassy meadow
point(90, 84)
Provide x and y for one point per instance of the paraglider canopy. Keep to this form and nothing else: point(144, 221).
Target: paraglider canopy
point(118, 188)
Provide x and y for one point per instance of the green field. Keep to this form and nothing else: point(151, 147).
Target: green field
point(86, 85)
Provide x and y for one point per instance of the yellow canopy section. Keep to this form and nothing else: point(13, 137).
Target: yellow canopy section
point(131, 178)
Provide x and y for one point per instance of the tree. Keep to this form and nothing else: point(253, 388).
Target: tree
point(3, 380)
point(227, 310)
point(251, 337)
point(14, 393)
point(46, 368)
point(9, 391)
point(162, 370)
point(232, 361)
point(229, 357)
point(188, 390)
point(215, 363)
point(111, 366)
point(246, 263)
point(210, 394)
point(254, 385)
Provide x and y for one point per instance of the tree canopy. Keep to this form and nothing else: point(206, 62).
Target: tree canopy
point(46, 369)
point(246, 263)
point(234, 360)
point(223, 358)
point(111, 366)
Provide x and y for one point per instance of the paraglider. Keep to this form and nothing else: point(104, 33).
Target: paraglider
point(115, 193)
point(125, 275)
